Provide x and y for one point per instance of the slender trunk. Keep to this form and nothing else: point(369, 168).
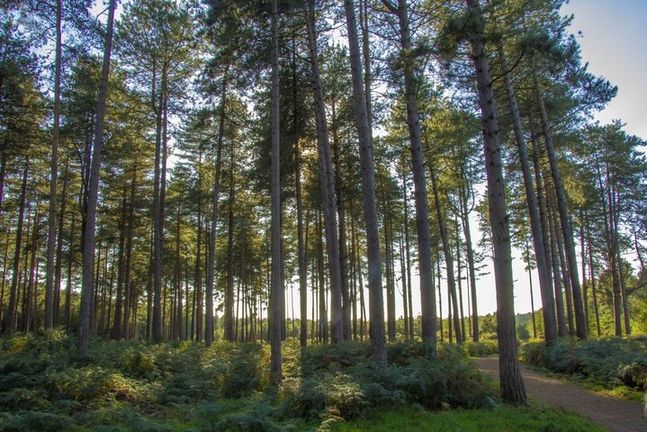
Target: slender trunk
point(449, 259)
point(209, 327)
point(302, 245)
point(116, 327)
point(593, 287)
point(557, 278)
point(327, 183)
point(547, 299)
point(368, 187)
point(563, 214)
point(230, 319)
point(51, 224)
point(93, 190)
point(427, 293)
point(469, 250)
point(59, 247)
point(67, 314)
point(129, 252)
point(276, 292)
point(511, 382)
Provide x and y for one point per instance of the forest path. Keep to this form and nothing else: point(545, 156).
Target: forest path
point(616, 415)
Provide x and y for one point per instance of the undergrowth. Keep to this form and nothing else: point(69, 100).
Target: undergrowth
point(614, 364)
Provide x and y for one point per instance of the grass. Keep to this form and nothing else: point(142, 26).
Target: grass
point(503, 419)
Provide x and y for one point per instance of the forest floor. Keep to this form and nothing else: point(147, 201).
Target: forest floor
point(614, 414)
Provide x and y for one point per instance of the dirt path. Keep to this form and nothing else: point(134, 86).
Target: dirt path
point(617, 415)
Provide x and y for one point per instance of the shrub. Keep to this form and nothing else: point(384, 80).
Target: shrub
point(481, 348)
point(246, 422)
point(609, 362)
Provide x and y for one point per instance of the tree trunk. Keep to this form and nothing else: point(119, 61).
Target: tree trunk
point(93, 189)
point(368, 187)
point(51, 223)
point(276, 293)
point(327, 183)
point(547, 299)
point(427, 293)
point(563, 214)
point(511, 382)
point(209, 326)
point(9, 324)
point(59, 247)
point(449, 259)
point(230, 318)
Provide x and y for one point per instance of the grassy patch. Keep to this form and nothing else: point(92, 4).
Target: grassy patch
point(503, 419)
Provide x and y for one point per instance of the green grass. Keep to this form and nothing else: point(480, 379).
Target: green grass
point(503, 419)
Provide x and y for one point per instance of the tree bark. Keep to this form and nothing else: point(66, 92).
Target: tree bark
point(93, 190)
point(51, 224)
point(427, 293)
point(9, 323)
point(563, 214)
point(511, 382)
point(276, 293)
point(547, 299)
point(209, 326)
point(327, 182)
point(368, 187)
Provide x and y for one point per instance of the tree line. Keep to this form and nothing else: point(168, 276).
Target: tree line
point(202, 170)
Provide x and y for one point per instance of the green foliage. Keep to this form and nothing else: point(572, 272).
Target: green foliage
point(351, 385)
point(482, 348)
point(609, 362)
point(503, 419)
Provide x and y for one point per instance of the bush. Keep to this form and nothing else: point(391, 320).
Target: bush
point(609, 362)
point(246, 422)
point(481, 348)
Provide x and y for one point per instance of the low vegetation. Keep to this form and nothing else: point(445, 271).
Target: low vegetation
point(618, 366)
point(45, 385)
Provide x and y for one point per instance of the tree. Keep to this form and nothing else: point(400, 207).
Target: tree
point(368, 186)
point(512, 386)
point(93, 190)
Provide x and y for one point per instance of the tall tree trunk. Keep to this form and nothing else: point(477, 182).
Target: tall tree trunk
point(563, 213)
point(427, 293)
point(51, 223)
point(276, 293)
point(209, 327)
point(116, 327)
point(67, 313)
point(327, 182)
point(511, 382)
point(449, 259)
point(546, 235)
point(302, 248)
point(547, 299)
point(230, 318)
point(368, 187)
point(469, 250)
point(129, 253)
point(9, 323)
point(59, 247)
point(93, 190)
